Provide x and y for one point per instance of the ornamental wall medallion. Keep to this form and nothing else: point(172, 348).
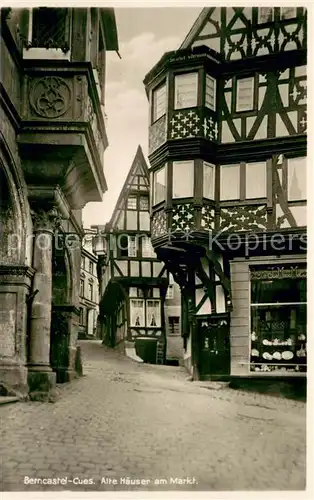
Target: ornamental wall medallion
point(50, 97)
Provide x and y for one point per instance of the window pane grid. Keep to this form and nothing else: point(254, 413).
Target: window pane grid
point(245, 94)
point(132, 202)
point(278, 329)
point(255, 180)
point(160, 186)
point(159, 102)
point(208, 180)
point(183, 179)
point(132, 246)
point(186, 90)
point(210, 92)
point(230, 182)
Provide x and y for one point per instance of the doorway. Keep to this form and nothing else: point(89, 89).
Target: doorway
point(213, 333)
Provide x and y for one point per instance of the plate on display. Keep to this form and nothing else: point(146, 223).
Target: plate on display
point(268, 356)
point(287, 355)
point(277, 355)
point(265, 342)
point(255, 353)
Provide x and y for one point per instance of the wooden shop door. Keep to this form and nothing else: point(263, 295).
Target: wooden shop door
point(214, 347)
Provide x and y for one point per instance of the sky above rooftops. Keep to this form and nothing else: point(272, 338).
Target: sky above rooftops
point(145, 34)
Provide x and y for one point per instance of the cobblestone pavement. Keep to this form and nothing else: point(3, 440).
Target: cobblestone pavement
point(144, 422)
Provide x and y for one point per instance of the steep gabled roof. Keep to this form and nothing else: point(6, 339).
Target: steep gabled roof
point(196, 28)
point(139, 169)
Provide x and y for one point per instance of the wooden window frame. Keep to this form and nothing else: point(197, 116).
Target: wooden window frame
point(205, 164)
point(154, 117)
point(142, 301)
point(213, 107)
point(158, 323)
point(171, 331)
point(254, 94)
point(132, 197)
point(192, 162)
point(185, 74)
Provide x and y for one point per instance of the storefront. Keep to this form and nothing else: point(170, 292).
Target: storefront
point(268, 323)
point(278, 319)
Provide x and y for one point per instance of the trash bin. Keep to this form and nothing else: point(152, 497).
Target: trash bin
point(146, 349)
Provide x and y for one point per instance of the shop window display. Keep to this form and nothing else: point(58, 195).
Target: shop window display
point(278, 320)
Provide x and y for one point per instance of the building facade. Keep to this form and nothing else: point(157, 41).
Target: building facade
point(89, 293)
point(53, 138)
point(134, 282)
point(227, 149)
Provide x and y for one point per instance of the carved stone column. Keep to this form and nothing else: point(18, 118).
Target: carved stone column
point(41, 379)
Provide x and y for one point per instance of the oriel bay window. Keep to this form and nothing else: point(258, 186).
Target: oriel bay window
point(183, 179)
point(278, 319)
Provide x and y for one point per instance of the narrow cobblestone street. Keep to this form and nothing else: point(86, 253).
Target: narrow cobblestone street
point(124, 420)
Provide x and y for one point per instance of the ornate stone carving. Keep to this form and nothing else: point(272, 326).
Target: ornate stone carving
point(48, 220)
point(50, 97)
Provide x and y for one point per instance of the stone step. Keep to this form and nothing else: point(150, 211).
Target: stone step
point(4, 400)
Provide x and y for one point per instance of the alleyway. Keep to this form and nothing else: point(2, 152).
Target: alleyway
point(128, 420)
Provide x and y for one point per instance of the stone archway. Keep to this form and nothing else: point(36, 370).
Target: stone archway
point(10, 229)
point(15, 276)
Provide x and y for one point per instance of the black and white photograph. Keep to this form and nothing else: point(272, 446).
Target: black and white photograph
point(153, 250)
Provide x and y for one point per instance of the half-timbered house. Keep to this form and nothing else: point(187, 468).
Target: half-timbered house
point(227, 149)
point(133, 282)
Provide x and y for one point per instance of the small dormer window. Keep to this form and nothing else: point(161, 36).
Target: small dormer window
point(185, 90)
